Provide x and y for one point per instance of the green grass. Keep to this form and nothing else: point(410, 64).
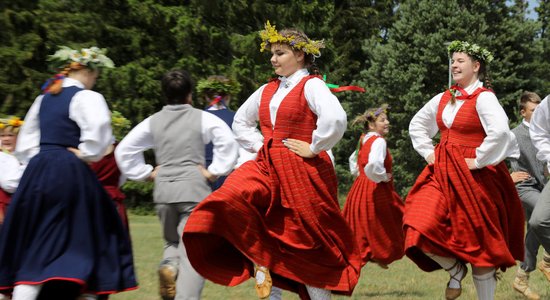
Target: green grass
point(403, 280)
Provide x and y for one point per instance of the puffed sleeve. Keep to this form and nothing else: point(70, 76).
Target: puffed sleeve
point(90, 111)
point(129, 152)
point(539, 130)
point(423, 127)
point(28, 139)
point(245, 123)
point(500, 142)
point(353, 164)
point(331, 117)
point(375, 169)
point(225, 149)
point(10, 172)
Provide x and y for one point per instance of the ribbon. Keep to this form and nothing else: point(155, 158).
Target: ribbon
point(336, 88)
point(217, 100)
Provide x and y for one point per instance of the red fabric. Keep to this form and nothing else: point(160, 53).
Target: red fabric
point(4, 201)
point(451, 211)
point(109, 175)
point(375, 213)
point(279, 211)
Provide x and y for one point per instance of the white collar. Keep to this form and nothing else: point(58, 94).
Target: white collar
point(293, 79)
point(472, 87)
point(71, 81)
point(525, 123)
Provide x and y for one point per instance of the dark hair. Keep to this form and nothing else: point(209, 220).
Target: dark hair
point(528, 97)
point(483, 75)
point(176, 86)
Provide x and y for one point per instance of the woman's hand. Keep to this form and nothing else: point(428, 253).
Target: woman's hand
point(519, 176)
point(431, 159)
point(390, 176)
point(471, 162)
point(75, 151)
point(299, 147)
point(211, 177)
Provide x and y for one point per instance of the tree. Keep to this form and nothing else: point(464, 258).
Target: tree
point(412, 66)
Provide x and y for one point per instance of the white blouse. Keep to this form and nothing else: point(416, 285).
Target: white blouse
point(90, 112)
point(539, 130)
point(374, 169)
point(331, 117)
point(10, 172)
point(497, 145)
point(129, 152)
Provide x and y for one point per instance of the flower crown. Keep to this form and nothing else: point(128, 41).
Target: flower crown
point(12, 121)
point(216, 84)
point(92, 57)
point(381, 110)
point(474, 50)
point(270, 35)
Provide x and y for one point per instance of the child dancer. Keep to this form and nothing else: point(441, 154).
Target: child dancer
point(373, 209)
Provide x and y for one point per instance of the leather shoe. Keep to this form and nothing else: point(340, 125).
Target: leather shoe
point(453, 293)
point(263, 289)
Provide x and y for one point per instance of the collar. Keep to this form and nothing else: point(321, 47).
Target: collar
point(177, 106)
point(471, 88)
point(293, 79)
point(71, 81)
point(524, 122)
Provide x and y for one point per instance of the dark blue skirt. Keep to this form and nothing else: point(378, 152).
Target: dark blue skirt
point(62, 225)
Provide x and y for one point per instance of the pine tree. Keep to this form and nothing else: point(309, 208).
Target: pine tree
point(412, 66)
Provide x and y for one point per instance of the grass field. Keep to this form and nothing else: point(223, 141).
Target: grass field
point(403, 280)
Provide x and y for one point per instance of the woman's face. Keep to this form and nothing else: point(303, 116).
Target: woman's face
point(464, 69)
point(8, 139)
point(285, 60)
point(381, 125)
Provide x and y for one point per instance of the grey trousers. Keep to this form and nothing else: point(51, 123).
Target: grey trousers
point(173, 217)
point(529, 198)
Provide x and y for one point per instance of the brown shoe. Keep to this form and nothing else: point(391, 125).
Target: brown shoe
point(521, 285)
point(452, 293)
point(167, 281)
point(263, 289)
point(545, 269)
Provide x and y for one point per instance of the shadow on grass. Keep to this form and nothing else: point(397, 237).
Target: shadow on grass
point(398, 294)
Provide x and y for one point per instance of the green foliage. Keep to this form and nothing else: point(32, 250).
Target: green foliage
point(395, 49)
point(411, 67)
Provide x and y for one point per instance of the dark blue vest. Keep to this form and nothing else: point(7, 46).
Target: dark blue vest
point(227, 116)
point(55, 126)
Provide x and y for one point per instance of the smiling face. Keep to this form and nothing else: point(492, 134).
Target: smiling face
point(285, 60)
point(8, 139)
point(464, 69)
point(381, 125)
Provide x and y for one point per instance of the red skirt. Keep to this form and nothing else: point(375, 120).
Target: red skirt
point(375, 214)
point(279, 211)
point(473, 215)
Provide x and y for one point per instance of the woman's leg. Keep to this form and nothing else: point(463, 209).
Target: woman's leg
point(485, 282)
point(318, 293)
point(26, 291)
point(456, 270)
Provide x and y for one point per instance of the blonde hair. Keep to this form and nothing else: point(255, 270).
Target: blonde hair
point(370, 116)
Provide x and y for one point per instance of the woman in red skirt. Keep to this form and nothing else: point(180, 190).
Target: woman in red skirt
point(277, 218)
point(373, 209)
point(464, 207)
